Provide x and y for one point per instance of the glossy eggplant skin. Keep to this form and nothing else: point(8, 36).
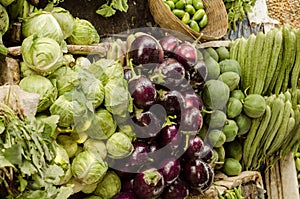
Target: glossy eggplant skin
point(148, 184)
point(192, 99)
point(145, 49)
point(195, 145)
point(197, 75)
point(195, 172)
point(186, 54)
point(191, 121)
point(142, 91)
point(168, 44)
point(173, 102)
point(170, 169)
point(170, 74)
point(148, 123)
point(177, 190)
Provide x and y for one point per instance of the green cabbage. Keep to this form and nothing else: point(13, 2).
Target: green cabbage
point(88, 168)
point(42, 54)
point(103, 125)
point(42, 86)
point(72, 111)
point(43, 24)
point(65, 20)
point(84, 33)
point(109, 186)
point(119, 146)
point(65, 79)
point(91, 87)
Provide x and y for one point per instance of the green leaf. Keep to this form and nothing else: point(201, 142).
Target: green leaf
point(64, 192)
point(14, 154)
point(120, 5)
point(4, 162)
point(106, 11)
point(53, 174)
point(23, 183)
point(27, 168)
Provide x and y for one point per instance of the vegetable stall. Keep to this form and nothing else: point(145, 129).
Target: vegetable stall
point(164, 99)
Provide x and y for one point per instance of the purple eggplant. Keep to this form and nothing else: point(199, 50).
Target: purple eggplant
point(149, 123)
point(127, 73)
point(186, 54)
point(170, 73)
point(192, 99)
point(211, 175)
point(170, 169)
point(168, 44)
point(145, 49)
point(177, 190)
point(127, 184)
point(191, 121)
point(142, 91)
point(139, 156)
point(195, 145)
point(206, 152)
point(173, 102)
point(169, 134)
point(195, 172)
point(148, 184)
point(197, 75)
point(125, 195)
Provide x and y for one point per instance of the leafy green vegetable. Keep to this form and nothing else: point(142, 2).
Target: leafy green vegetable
point(28, 153)
point(88, 168)
point(43, 24)
point(111, 6)
point(73, 110)
point(237, 10)
point(42, 54)
point(103, 125)
point(84, 33)
point(106, 11)
point(65, 20)
point(42, 86)
point(109, 186)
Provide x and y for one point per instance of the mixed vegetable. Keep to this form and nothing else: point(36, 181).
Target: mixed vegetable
point(154, 117)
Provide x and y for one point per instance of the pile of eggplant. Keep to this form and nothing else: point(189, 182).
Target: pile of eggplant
point(169, 159)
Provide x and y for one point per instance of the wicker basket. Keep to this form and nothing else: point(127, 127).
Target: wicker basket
point(215, 29)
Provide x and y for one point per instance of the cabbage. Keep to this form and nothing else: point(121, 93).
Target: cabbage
point(103, 125)
point(72, 111)
point(43, 24)
point(105, 70)
point(91, 87)
point(117, 98)
point(43, 87)
point(119, 146)
point(68, 60)
point(88, 168)
point(65, 79)
point(82, 62)
point(42, 54)
point(69, 145)
point(109, 186)
point(84, 33)
point(65, 20)
point(95, 146)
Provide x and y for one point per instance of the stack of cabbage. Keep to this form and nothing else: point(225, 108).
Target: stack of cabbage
point(60, 151)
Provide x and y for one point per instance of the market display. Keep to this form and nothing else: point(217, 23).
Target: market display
point(152, 114)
